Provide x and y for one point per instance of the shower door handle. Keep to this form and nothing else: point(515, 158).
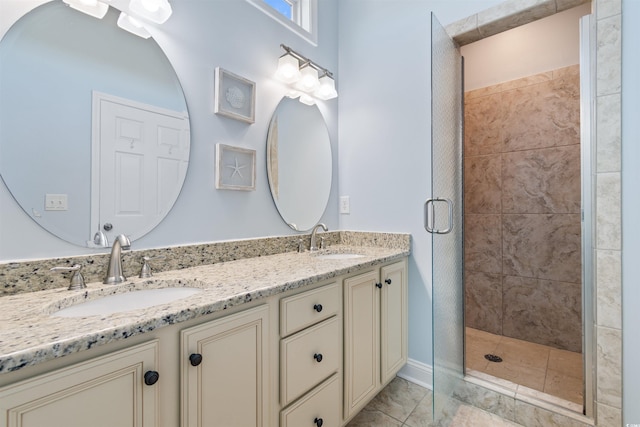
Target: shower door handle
point(430, 220)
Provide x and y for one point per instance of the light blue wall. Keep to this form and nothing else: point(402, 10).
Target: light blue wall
point(199, 36)
point(385, 130)
point(630, 210)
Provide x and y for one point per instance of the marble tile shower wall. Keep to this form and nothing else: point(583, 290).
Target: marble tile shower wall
point(522, 209)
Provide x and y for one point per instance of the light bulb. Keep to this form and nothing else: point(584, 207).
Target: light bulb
point(326, 89)
point(288, 69)
point(308, 79)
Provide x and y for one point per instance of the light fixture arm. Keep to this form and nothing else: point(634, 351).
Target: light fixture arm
point(306, 61)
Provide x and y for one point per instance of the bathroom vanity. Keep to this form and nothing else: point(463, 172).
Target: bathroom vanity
point(290, 339)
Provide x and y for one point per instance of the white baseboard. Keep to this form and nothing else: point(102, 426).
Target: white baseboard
point(417, 373)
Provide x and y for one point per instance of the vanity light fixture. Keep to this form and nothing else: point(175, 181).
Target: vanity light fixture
point(134, 26)
point(305, 78)
point(95, 8)
point(157, 11)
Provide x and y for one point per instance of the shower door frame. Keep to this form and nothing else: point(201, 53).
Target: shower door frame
point(587, 171)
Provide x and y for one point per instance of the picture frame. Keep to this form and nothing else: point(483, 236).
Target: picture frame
point(234, 96)
point(235, 168)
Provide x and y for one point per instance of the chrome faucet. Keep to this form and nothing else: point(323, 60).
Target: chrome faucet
point(313, 246)
point(114, 272)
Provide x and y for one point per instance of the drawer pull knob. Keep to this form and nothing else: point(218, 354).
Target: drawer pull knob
point(195, 359)
point(387, 281)
point(151, 377)
point(317, 307)
point(318, 422)
point(379, 285)
point(318, 357)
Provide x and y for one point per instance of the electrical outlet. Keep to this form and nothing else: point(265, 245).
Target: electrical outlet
point(345, 207)
point(55, 202)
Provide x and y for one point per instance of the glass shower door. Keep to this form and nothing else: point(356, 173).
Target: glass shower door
point(443, 218)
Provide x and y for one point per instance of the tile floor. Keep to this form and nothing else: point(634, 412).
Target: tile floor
point(405, 404)
point(538, 367)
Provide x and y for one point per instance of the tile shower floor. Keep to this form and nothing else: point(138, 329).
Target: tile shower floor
point(405, 404)
point(544, 369)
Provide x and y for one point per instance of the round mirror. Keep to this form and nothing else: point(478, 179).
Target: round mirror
point(94, 130)
point(299, 164)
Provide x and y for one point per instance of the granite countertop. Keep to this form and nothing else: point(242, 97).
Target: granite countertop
point(30, 335)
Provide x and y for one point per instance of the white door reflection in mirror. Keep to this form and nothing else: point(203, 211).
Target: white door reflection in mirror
point(140, 157)
point(299, 163)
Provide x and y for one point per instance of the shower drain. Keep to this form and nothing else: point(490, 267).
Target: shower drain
point(493, 358)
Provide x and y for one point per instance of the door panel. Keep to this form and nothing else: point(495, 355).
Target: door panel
point(445, 218)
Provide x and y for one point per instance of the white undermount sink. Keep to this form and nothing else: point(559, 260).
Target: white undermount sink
point(126, 301)
point(339, 256)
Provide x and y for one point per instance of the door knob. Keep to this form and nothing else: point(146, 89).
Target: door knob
point(195, 359)
point(151, 377)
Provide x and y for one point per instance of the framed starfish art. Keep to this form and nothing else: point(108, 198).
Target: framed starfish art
point(236, 168)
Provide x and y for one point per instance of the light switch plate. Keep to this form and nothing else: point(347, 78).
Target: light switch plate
point(345, 207)
point(56, 202)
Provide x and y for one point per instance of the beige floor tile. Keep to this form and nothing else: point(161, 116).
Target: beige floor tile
point(422, 415)
point(519, 374)
point(567, 362)
point(564, 386)
point(542, 369)
point(468, 416)
point(476, 335)
point(523, 353)
point(398, 399)
point(369, 418)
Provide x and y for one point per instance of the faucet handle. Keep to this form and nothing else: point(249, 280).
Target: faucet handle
point(145, 271)
point(77, 279)
point(322, 243)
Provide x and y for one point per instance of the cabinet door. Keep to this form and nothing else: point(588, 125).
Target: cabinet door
point(229, 388)
point(393, 318)
point(361, 340)
point(106, 391)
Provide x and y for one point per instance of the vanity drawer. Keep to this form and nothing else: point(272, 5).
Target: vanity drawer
point(309, 357)
point(300, 311)
point(322, 403)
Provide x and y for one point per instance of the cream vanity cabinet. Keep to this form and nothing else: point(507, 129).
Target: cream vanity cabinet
point(311, 357)
point(375, 332)
point(117, 389)
point(225, 371)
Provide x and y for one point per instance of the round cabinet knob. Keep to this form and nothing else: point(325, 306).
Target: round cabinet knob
point(151, 377)
point(195, 359)
point(379, 285)
point(387, 281)
point(318, 357)
point(317, 307)
point(318, 422)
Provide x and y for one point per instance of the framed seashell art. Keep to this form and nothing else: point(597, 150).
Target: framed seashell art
point(234, 96)
point(236, 168)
